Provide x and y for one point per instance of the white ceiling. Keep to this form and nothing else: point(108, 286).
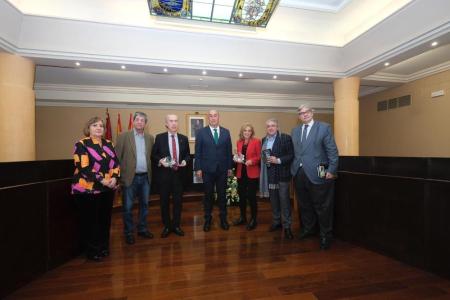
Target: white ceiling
point(311, 22)
point(98, 77)
point(319, 5)
point(347, 28)
point(431, 58)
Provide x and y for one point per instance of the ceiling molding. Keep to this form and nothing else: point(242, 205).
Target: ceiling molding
point(399, 50)
point(7, 46)
point(149, 96)
point(60, 103)
point(372, 91)
point(381, 76)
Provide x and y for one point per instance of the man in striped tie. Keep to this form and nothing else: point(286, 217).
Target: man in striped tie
point(171, 151)
point(213, 163)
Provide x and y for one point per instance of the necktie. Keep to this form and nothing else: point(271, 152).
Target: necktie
point(174, 152)
point(305, 130)
point(216, 136)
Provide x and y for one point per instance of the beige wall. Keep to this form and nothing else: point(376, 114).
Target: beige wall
point(419, 130)
point(58, 128)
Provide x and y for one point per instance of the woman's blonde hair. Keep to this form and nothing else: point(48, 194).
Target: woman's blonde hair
point(243, 127)
point(88, 124)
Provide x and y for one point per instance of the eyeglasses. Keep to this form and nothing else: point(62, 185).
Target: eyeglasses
point(304, 113)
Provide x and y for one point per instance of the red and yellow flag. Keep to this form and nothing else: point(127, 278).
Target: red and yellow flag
point(130, 122)
point(108, 131)
point(119, 125)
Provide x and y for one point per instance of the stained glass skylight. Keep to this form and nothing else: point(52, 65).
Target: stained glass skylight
point(242, 12)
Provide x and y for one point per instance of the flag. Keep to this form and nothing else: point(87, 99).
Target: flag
point(119, 125)
point(108, 131)
point(130, 123)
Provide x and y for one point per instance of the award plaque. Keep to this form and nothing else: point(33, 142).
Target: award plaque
point(322, 170)
point(266, 153)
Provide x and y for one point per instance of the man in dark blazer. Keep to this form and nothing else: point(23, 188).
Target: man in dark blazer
point(213, 162)
point(171, 151)
point(275, 176)
point(314, 167)
point(134, 149)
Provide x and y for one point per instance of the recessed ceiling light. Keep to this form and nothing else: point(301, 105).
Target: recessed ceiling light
point(204, 72)
point(77, 64)
point(200, 79)
point(240, 74)
point(434, 44)
point(386, 64)
point(274, 76)
point(165, 70)
point(306, 78)
point(123, 67)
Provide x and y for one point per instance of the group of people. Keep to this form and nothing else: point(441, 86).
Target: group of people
point(309, 155)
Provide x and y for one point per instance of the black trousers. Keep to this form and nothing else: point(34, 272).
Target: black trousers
point(217, 180)
point(316, 204)
point(247, 188)
point(171, 185)
point(95, 221)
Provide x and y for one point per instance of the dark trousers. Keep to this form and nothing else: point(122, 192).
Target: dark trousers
point(217, 180)
point(172, 184)
point(316, 203)
point(247, 194)
point(95, 221)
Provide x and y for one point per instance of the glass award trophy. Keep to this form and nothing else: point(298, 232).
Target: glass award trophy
point(239, 158)
point(168, 160)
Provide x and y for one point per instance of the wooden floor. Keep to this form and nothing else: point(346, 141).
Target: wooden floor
point(232, 265)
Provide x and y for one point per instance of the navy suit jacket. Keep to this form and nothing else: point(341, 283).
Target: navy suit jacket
point(209, 157)
point(319, 147)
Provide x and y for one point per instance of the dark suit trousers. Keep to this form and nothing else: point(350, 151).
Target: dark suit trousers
point(247, 194)
point(95, 220)
point(316, 203)
point(172, 184)
point(219, 181)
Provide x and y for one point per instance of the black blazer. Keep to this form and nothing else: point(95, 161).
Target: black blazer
point(210, 157)
point(161, 150)
point(284, 150)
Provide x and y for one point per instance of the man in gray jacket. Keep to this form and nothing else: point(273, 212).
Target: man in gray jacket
point(314, 169)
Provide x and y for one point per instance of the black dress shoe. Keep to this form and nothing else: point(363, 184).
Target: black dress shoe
point(325, 243)
point(252, 224)
point(224, 224)
point(104, 253)
point(165, 232)
point(178, 231)
point(129, 239)
point(207, 226)
point(288, 234)
point(274, 227)
point(240, 221)
point(94, 257)
point(146, 234)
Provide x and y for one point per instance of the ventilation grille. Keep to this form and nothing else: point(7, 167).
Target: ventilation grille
point(404, 101)
point(394, 103)
point(382, 105)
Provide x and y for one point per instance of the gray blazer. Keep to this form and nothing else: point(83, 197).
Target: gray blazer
point(318, 148)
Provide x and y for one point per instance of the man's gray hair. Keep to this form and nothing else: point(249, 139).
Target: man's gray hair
point(305, 106)
point(140, 114)
point(272, 120)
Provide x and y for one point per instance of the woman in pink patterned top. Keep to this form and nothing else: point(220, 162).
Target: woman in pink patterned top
point(93, 185)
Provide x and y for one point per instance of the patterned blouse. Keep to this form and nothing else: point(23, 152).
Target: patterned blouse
point(93, 163)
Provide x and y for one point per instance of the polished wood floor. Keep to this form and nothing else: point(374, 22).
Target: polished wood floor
point(232, 265)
